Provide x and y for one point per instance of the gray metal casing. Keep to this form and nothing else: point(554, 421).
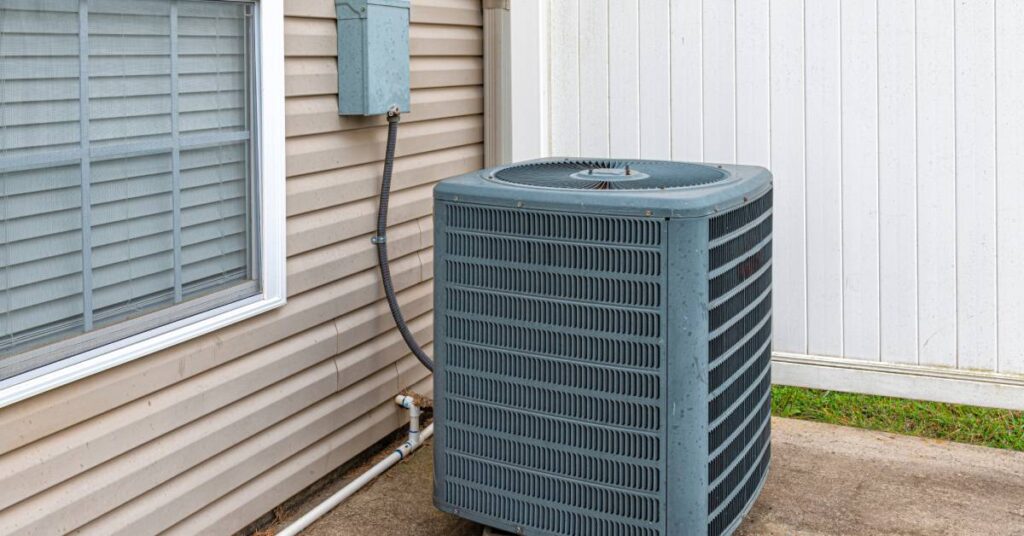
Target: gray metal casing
point(507, 380)
point(373, 56)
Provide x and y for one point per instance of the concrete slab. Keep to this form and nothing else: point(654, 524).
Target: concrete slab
point(824, 480)
point(829, 480)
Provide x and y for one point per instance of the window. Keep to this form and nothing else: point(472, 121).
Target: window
point(131, 180)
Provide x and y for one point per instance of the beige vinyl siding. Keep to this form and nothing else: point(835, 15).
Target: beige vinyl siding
point(205, 437)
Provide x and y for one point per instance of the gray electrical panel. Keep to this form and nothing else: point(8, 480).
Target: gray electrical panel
point(373, 56)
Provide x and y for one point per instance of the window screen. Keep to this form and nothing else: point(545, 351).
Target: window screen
point(127, 172)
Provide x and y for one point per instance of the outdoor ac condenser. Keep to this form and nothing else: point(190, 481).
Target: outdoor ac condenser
point(603, 346)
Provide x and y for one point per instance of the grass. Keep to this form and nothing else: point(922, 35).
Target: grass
point(997, 428)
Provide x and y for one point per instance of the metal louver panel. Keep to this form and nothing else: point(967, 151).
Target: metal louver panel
point(553, 367)
point(739, 354)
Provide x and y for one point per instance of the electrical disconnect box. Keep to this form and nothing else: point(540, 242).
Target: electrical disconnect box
point(373, 56)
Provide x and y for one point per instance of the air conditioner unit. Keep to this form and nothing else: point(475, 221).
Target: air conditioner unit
point(603, 346)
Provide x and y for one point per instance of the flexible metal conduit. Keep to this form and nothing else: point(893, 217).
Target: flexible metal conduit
point(381, 240)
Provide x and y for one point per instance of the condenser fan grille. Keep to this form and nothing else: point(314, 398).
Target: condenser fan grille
point(552, 354)
point(610, 174)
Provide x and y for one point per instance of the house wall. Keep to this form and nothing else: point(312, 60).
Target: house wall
point(893, 129)
point(205, 437)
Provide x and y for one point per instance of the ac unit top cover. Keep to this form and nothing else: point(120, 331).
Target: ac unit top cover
point(611, 186)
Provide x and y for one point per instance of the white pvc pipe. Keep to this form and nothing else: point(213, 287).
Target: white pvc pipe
point(416, 438)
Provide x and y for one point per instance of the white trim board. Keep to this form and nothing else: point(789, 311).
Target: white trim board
point(905, 381)
point(272, 245)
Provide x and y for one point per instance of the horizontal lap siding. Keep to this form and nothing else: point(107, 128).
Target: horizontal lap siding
point(209, 435)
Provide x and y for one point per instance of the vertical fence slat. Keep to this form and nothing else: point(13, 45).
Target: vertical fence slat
point(623, 79)
point(565, 79)
point(789, 261)
point(859, 45)
point(687, 80)
point(936, 192)
point(753, 84)
point(530, 62)
point(655, 90)
point(897, 182)
point(975, 185)
point(594, 81)
point(824, 180)
point(719, 33)
point(1009, 166)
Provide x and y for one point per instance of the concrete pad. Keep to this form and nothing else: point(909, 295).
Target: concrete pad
point(824, 480)
point(835, 480)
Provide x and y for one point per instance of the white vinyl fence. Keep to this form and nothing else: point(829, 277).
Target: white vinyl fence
point(894, 129)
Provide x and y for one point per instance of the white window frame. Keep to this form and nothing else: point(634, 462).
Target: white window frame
point(271, 115)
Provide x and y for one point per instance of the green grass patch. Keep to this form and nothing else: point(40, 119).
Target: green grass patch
point(997, 428)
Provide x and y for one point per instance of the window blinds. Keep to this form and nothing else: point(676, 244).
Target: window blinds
point(126, 169)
